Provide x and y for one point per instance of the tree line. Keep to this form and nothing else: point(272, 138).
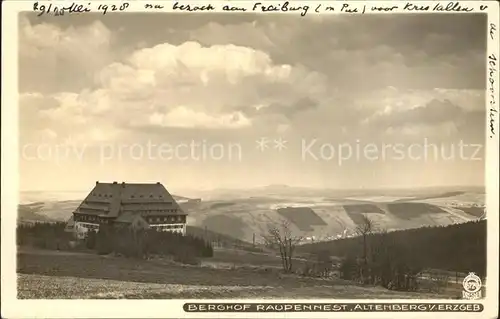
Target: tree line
point(125, 241)
point(43, 235)
point(143, 243)
point(396, 259)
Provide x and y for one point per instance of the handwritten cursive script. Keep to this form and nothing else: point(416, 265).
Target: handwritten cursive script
point(59, 10)
point(493, 30)
point(492, 72)
point(285, 7)
point(192, 8)
point(452, 7)
point(112, 7)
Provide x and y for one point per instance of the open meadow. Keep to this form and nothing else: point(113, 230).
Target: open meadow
point(72, 275)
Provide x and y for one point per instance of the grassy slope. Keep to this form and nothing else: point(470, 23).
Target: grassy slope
point(46, 274)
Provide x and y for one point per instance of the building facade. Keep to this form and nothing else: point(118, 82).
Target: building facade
point(128, 205)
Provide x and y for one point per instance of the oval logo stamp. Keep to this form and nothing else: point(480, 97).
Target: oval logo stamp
point(472, 287)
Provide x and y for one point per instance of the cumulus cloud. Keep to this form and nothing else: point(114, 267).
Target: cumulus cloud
point(260, 73)
point(54, 58)
point(436, 112)
point(187, 118)
point(426, 112)
point(185, 86)
point(368, 51)
point(128, 79)
point(210, 86)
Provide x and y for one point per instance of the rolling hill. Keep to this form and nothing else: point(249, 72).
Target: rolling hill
point(320, 220)
point(316, 215)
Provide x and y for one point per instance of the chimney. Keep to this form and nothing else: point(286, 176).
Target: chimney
point(123, 184)
point(115, 183)
point(158, 183)
point(97, 182)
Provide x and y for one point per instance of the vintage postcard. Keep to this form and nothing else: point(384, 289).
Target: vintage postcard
point(236, 159)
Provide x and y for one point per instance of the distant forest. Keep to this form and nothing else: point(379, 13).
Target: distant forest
point(458, 247)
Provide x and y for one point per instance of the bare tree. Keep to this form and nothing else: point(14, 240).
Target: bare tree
point(365, 229)
point(279, 236)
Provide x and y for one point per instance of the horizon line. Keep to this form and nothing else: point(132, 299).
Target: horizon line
point(276, 185)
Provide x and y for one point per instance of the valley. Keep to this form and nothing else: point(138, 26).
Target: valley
point(314, 215)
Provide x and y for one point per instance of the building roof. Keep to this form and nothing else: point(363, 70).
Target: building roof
point(113, 199)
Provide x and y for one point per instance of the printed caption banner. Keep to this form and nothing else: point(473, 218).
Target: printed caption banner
point(332, 307)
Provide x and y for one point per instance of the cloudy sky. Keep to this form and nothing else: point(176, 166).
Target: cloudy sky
point(104, 98)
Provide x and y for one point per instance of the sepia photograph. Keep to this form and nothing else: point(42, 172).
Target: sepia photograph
point(208, 155)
